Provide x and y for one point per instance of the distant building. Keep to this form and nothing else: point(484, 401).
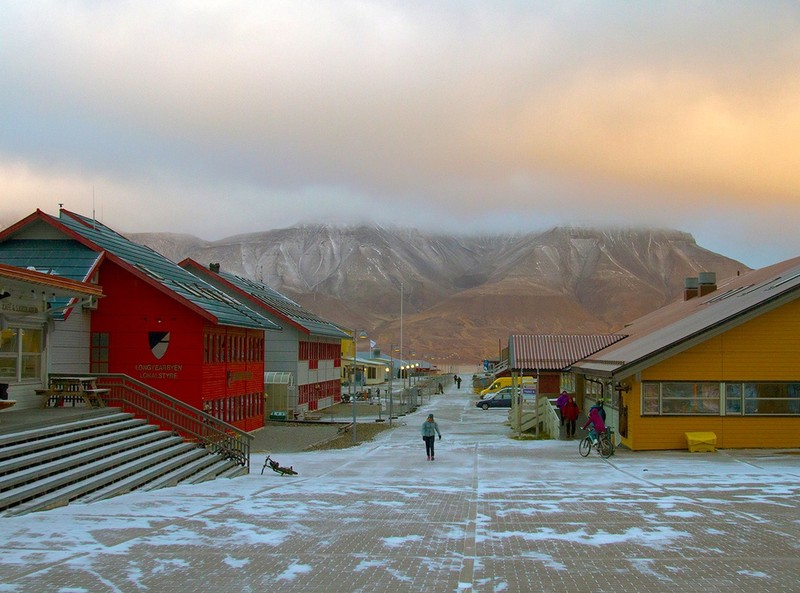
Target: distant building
point(549, 358)
point(308, 347)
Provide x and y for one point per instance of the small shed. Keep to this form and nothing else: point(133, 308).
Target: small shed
point(280, 395)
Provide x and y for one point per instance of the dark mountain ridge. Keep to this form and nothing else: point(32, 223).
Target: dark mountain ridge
point(462, 295)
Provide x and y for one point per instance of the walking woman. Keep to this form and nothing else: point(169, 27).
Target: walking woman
point(571, 413)
point(429, 431)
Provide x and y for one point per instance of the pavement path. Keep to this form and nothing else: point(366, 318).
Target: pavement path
point(490, 514)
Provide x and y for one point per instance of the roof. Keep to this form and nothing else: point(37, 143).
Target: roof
point(278, 378)
point(13, 278)
point(62, 257)
point(683, 324)
point(555, 352)
point(364, 361)
point(62, 267)
point(147, 264)
point(267, 299)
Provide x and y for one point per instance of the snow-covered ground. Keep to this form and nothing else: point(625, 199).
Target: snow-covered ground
point(490, 514)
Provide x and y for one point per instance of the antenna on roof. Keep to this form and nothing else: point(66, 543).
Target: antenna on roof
point(94, 220)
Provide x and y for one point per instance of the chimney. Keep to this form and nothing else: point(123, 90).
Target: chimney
point(708, 282)
point(214, 267)
point(690, 288)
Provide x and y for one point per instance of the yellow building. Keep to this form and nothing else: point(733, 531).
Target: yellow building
point(724, 360)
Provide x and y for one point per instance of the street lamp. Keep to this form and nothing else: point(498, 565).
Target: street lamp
point(388, 372)
point(403, 375)
point(391, 378)
point(356, 334)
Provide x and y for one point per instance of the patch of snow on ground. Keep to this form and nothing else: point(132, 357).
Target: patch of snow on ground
point(545, 559)
point(644, 566)
point(294, 569)
point(753, 573)
point(396, 542)
point(367, 564)
point(658, 537)
point(236, 562)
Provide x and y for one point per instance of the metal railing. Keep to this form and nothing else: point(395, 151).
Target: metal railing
point(500, 367)
point(156, 407)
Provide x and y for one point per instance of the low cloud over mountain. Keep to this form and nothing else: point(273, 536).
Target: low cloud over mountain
point(462, 295)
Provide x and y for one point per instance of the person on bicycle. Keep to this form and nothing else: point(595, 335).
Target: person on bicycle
point(601, 410)
point(596, 421)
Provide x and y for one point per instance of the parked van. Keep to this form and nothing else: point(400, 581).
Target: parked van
point(481, 381)
point(501, 382)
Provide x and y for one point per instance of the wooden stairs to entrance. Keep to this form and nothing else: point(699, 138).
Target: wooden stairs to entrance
point(96, 458)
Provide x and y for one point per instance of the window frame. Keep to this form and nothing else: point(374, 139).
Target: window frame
point(722, 398)
point(20, 358)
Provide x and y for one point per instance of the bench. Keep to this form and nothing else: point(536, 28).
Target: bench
point(93, 397)
point(701, 442)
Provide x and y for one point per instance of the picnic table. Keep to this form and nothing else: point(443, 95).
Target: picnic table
point(73, 389)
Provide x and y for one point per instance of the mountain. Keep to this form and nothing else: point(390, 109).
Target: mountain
point(462, 295)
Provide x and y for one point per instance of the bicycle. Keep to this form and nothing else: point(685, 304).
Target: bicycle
point(599, 442)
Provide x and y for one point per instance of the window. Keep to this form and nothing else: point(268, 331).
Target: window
point(690, 398)
point(681, 398)
point(771, 398)
point(99, 352)
point(733, 399)
point(8, 354)
point(706, 398)
point(20, 354)
point(651, 398)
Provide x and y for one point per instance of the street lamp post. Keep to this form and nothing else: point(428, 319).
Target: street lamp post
point(417, 395)
point(356, 335)
point(402, 382)
point(353, 397)
point(388, 372)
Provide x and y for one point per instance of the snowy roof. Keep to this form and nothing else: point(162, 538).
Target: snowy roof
point(267, 299)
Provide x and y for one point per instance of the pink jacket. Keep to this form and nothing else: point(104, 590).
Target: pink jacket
point(596, 420)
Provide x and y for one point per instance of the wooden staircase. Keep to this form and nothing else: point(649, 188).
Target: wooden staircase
point(96, 458)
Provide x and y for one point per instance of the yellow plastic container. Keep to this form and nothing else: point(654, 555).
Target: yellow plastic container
point(701, 442)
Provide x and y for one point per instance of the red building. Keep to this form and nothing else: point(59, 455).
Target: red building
point(157, 323)
point(308, 348)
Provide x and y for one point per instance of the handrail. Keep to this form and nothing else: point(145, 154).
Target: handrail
point(541, 413)
point(547, 414)
point(157, 407)
point(500, 366)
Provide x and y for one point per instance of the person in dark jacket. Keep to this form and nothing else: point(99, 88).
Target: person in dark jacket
point(429, 431)
point(570, 414)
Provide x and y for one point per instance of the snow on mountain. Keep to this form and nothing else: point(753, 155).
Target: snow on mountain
point(463, 295)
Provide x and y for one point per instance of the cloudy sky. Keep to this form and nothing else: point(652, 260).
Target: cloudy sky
point(220, 118)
